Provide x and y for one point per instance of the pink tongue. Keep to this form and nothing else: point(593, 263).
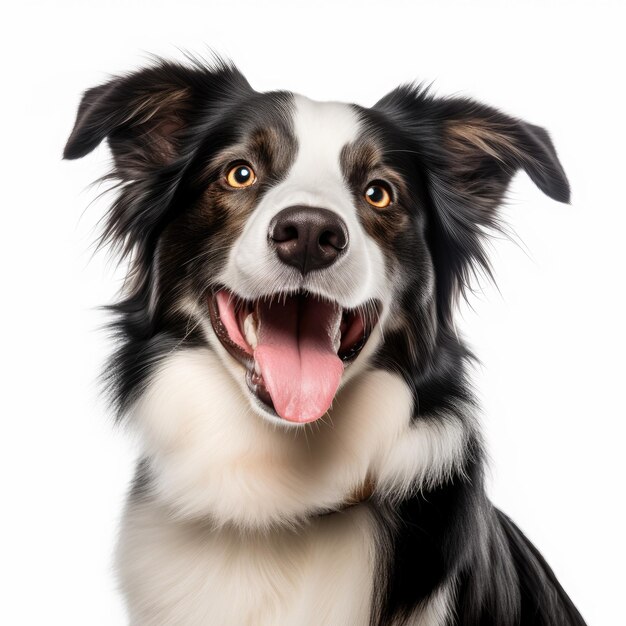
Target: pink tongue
point(300, 367)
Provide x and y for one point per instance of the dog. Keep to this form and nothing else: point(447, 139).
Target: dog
point(287, 357)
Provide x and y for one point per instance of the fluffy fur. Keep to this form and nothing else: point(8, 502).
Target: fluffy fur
point(376, 513)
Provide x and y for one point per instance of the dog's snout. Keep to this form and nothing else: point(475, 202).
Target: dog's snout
point(308, 238)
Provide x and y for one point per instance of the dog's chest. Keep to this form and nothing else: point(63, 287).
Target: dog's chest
point(175, 573)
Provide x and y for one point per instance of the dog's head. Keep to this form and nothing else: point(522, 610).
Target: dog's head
point(299, 239)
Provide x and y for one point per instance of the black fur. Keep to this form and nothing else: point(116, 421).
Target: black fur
point(457, 158)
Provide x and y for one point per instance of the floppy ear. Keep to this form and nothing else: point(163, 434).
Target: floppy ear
point(470, 153)
point(144, 114)
point(483, 148)
point(147, 117)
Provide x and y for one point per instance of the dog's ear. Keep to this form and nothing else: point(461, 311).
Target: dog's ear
point(144, 114)
point(469, 153)
point(154, 120)
point(482, 148)
point(474, 150)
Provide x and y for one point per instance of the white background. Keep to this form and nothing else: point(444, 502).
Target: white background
point(551, 340)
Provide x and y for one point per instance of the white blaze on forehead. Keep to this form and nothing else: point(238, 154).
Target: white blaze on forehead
point(322, 130)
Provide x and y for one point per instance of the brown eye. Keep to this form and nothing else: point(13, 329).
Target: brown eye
point(240, 175)
point(378, 195)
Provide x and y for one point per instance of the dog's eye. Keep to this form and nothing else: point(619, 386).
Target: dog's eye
point(240, 175)
point(377, 194)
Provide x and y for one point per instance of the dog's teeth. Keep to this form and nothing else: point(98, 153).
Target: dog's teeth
point(336, 333)
point(250, 331)
point(257, 368)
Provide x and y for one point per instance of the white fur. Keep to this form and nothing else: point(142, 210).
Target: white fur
point(427, 453)
point(187, 574)
point(213, 456)
point(315, 179)
point(436, 610)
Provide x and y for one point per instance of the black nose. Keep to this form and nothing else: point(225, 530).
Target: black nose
point(307, 237)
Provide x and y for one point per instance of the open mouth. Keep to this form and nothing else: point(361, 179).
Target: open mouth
point(294, 347)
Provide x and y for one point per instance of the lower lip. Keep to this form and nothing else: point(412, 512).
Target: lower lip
point(257, 388)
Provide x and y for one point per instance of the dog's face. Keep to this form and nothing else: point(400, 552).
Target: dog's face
point(301, 240)
point(300, 272)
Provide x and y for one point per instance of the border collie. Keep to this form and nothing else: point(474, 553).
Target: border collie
point(310, 453)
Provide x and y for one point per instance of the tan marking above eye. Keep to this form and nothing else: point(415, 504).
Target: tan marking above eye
point(240, 175)
point(378, 195)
